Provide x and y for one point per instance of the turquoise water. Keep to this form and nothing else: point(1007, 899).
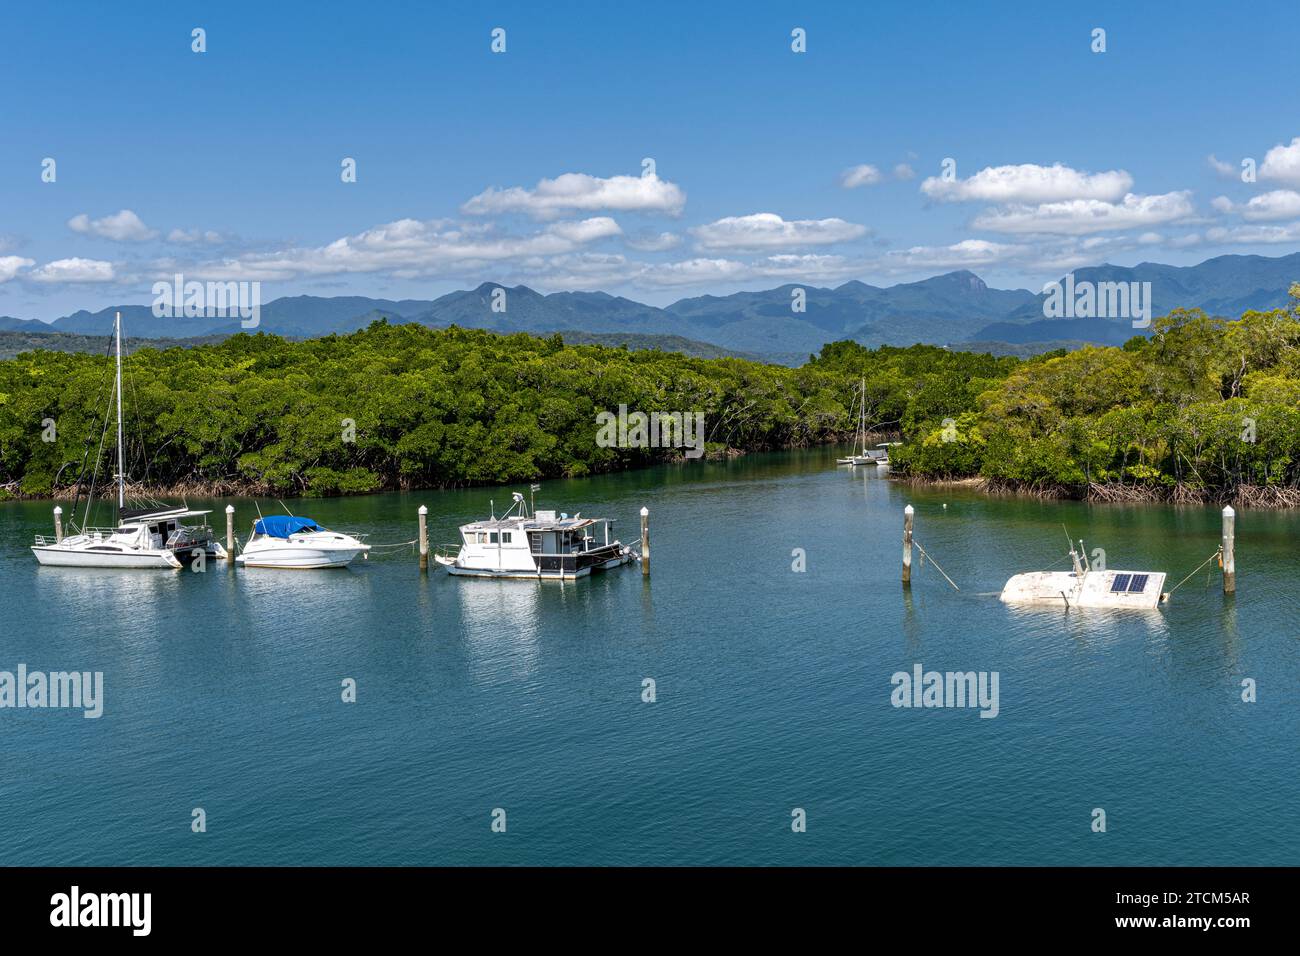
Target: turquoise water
point(222, 691)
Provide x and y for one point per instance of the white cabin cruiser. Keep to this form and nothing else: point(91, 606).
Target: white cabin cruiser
point(286, 541)
point(540, 546)
point(1086, 587)
point(153, 537)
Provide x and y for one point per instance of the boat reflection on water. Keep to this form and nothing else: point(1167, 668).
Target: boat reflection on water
point(500, 621)
point(119, 591)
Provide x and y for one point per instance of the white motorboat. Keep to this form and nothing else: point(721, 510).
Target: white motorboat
point(542, 546)
point(286, 541)
point(152, 537)
point(1086, 586)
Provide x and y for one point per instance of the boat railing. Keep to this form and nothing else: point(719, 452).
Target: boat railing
point(447, 551)
point(189, 534)
point(91, 534)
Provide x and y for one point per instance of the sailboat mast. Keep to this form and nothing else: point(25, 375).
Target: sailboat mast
point(121, 474)
point(862, 412)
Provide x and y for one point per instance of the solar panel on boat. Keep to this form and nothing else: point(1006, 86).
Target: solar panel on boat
point(1120, 584)
point(1138, 584)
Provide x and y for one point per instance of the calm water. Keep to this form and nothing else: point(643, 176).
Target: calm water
point(223, 691)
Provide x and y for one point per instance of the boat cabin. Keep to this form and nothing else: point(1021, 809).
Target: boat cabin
point(544, 544)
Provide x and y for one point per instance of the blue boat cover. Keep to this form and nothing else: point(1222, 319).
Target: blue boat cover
point(281, 526)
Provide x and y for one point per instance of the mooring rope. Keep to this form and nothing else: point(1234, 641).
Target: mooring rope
point(1217, 552)
point(926, 554)
point(394, 546)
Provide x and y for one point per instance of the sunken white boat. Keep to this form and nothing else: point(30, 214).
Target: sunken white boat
point(288, 541)
point(542, 546)
point(156, 536)
point(1086, 586)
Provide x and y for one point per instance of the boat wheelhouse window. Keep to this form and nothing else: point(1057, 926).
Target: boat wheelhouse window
point(492, 538)
point(505, 537)
point(1138, 584)
point(1120, 584)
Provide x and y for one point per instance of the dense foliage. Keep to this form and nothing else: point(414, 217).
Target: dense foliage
point(1204, 407)
point(387, 407)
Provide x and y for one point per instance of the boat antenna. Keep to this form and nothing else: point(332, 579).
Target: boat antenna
point(121, 473)
point(285, 507)
point(1074, 557)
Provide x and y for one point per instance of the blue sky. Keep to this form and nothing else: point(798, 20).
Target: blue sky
point(526, 166)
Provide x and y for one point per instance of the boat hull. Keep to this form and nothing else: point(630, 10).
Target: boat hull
point(299, 559)
point(454, 567)
point(1094, 589)
point(60, 557)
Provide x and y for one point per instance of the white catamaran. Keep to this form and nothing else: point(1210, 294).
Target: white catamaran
point(151, 537)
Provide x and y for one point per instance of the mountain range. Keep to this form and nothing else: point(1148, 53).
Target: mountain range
point(949, 309)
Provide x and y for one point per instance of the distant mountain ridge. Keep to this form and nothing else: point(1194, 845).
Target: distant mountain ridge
point(947, 309)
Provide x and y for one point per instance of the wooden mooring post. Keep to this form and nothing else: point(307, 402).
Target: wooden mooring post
point(908, 513)
point(58, 524)
point(424, 538)
point(1229, 551)
point(230, 533)
point(645, 541)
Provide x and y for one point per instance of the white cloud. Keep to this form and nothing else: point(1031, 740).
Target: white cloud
point(1226, 170)
point(1282, 163)
point(122, 226)
point(1079, 217)
point(1256, 234)
point(578, 192)
point(9, 266)
point(904, 171)
point(585, 230)
point(74, 270)
point(967, 254)
point(696, 272)
point(863, 175)
point(765, 230)
point(1270, 206)
point(649, 242)
point(1028, 183)
point(411, 247)
point(192, 236)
